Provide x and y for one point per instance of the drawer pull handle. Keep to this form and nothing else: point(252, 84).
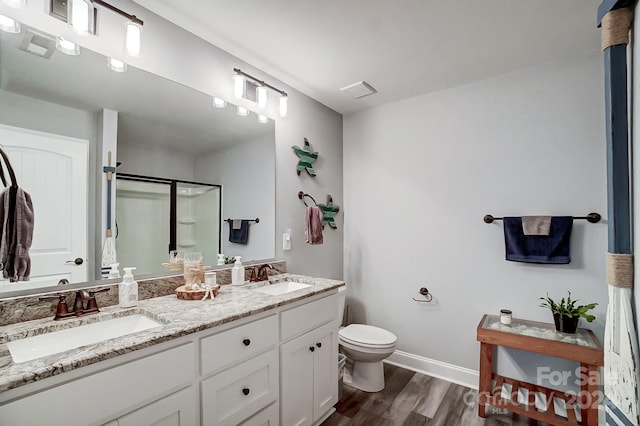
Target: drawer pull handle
point(246, 342)
point(319, 345)
point(311, 348)
point(246, 391)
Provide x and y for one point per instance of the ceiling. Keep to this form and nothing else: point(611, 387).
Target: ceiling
point(403, 48)
point(188, 120)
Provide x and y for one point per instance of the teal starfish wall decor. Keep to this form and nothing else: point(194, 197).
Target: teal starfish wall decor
point(330, 211)
point(306, 158)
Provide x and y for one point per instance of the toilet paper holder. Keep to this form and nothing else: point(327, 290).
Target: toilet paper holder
point(424, 292)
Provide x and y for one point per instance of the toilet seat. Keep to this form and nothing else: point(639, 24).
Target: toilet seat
point(367, 336)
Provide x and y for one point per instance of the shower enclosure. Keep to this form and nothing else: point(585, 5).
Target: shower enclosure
point(157, 215)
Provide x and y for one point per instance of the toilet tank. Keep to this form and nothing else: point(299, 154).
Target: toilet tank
point(342, 297)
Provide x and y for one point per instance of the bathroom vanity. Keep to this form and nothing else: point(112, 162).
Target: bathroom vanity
point(248, 357)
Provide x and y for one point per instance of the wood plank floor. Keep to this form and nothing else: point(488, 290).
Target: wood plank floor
point(413, 399)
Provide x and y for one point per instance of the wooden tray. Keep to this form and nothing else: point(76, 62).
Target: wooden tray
point(184, 294)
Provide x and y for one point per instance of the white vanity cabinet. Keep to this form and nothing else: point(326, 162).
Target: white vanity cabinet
point(309, 363)
point(105, 390)
point(275, 367)
point(178, 409)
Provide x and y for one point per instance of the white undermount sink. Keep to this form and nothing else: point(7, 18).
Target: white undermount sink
point(55, 342)
point(281, 288)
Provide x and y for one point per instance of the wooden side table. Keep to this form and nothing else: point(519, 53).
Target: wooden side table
point(540, 338)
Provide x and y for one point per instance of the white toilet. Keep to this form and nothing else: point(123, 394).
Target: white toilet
point(366, 346)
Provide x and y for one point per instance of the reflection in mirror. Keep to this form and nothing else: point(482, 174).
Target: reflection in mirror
point(59, 116)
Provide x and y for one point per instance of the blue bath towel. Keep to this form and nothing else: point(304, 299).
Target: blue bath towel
point(553, 248)
point(240, 235)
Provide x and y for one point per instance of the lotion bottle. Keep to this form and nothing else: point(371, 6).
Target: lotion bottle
point(128, 290)
point(237, 272)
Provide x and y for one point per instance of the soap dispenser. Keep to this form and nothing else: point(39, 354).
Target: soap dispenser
point(237, 272)
point(220, 259)
point(128, 290)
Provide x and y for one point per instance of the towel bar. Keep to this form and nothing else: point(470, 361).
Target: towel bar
point(256, 220)
point(591, 218)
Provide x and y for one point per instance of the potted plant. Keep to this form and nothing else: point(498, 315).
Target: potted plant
point(566, 313)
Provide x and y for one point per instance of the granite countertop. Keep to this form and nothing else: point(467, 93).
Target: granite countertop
point(180, 318)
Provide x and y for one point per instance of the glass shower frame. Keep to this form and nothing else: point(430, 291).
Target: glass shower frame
point(174, 221)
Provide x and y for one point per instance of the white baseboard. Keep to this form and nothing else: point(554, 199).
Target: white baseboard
point(438, 369)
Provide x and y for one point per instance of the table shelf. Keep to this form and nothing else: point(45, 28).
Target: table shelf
point(534, 401)
point(540, 403)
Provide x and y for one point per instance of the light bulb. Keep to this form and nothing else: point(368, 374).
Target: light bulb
point(263, 119)
point(17, 4)
point(9, 25)
point(219, 103)
point(116, 65)
point(238, 86)
point(132, 39)
point(67, 47)
point(261, 94)
point(242, 111)
point(80, 12)
point(283, 106)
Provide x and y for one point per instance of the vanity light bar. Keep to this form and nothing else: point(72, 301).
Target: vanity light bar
point(132, 18)
point(261, 90)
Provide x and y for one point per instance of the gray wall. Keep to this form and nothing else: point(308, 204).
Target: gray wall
point(421, 173)
point(246, 172)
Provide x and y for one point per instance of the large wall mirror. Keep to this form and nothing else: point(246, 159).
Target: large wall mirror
point(61, 114)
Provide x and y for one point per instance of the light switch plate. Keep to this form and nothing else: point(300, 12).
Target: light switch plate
point(286, 240)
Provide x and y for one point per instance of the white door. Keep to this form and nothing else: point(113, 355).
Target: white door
point(53, 170)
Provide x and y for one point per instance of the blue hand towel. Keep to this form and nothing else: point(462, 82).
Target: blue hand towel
point(240, 235)
point(553, 248)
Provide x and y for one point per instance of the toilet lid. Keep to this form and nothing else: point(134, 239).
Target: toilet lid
point(367, 335)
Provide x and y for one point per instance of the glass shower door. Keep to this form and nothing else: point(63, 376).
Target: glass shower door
point(198, 220)
point(142, 224)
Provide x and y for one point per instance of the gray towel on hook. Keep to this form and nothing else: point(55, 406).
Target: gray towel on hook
point(536, 225)
point(16, 233)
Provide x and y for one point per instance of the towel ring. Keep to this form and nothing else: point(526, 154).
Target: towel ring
point(301, 196)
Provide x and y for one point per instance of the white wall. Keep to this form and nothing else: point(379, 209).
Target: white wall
point(246, 172)
point(173, 53)
point(419, 176)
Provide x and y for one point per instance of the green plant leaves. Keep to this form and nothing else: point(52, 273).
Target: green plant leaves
point(568, 307)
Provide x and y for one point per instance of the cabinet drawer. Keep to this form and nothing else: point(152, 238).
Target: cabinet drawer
point(309, 316)
point(235, 394)
point(266, 417)
point(237, 344)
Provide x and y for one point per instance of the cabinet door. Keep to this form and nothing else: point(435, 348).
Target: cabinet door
point(325, 369)
point(178, 409)
point(296, 384)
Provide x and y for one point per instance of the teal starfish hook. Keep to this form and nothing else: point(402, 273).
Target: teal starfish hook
point(330, 211)
point(306, 158)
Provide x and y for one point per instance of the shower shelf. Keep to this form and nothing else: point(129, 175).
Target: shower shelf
point(187, 243)
point(187, 221)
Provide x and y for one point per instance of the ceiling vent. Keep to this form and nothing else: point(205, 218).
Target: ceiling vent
point(37, 44)
point(359, 89)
